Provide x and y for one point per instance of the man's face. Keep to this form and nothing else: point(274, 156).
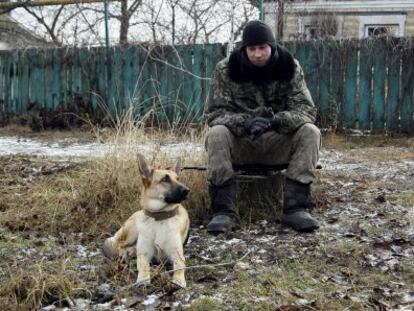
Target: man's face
point(259, 55)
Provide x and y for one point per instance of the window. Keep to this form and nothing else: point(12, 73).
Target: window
point(381, 30)
point(382, 25)
point(319, 26)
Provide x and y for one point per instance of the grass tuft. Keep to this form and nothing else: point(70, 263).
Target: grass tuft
point(34, 286)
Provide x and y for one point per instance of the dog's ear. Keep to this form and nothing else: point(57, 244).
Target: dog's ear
point(144, 169)
point(178, 166)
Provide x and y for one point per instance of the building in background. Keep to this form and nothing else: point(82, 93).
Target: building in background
point(315, 19)
point(15, 36)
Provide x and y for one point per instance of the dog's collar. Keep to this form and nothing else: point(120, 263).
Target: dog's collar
point(158, 216)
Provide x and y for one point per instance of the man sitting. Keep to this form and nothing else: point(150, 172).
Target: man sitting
point(260, 111)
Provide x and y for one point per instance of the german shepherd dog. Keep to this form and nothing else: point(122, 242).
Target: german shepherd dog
point(159, 229)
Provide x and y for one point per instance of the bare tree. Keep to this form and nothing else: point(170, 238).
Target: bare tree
point(154, 19)
point(280, 18)
point(247, 12)
point(160, 21)
point(88, 23)
point(199, 11)
point(321, 26)
point(212, 20)
point(50, 23)
point(123, 13)
point(126, 12)
point(63, 24)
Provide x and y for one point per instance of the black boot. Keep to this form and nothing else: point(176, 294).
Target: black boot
point(296, 203)
point(223, 203)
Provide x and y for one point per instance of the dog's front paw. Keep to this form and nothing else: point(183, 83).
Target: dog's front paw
point(179, 282)
point(109, 250)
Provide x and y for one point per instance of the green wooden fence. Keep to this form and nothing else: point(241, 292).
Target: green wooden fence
point(356, 84)
point(364, 84)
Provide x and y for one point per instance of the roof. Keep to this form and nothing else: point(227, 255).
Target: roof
point(15, 36)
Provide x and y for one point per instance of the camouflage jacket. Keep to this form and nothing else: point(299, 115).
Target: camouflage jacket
point(231, 102)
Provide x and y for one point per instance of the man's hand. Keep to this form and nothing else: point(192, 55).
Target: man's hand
point(257, 126)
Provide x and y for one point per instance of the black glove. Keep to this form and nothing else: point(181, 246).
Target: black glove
point(257, 126)
point(275, 124)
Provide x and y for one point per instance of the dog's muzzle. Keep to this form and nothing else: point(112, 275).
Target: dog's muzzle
point(177, 195)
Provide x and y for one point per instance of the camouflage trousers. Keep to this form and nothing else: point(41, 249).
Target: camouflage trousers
point(300, 150)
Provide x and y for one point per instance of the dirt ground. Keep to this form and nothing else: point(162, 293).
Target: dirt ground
point(362, 258)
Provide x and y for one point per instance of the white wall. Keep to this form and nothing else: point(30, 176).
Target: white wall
point(5, 46)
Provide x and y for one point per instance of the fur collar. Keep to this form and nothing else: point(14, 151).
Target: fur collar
point(280, 67)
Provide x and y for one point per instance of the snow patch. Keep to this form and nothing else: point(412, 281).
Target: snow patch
point(151, 299)
point(12, 145)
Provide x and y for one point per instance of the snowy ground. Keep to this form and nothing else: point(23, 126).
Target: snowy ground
point(361, 258)
point(71, 148)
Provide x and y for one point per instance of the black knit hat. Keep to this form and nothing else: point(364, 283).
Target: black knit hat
point(257, 32)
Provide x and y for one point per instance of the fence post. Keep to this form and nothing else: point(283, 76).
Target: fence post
point(350, 87)
point(393, 85)
point(197, 70)
point(407, 101)
point(365, 89)
point(379, 85)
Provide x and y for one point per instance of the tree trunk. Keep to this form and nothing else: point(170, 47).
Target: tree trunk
point(173, 24)
point(123, 35)
point(280, 16)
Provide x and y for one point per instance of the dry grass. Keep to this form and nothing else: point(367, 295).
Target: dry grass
point(378, 156)
point(82, 134)
point(29, 287)
point(95, 198)
point(338, 141)
point(407, 200)
point(86, 198)
point(288, 281)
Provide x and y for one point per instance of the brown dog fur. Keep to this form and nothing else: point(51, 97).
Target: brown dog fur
point(160, 198)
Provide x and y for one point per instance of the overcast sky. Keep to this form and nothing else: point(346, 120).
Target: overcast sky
point(87, 27)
